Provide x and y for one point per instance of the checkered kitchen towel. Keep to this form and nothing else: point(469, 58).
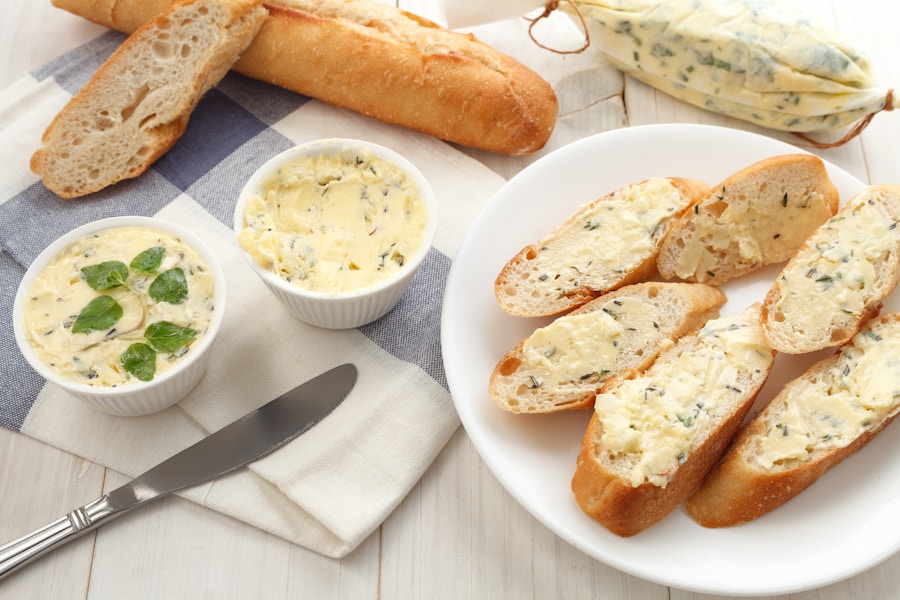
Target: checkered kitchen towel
point(333, 486)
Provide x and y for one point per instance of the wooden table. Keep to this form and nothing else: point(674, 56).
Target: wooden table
point(175, 549)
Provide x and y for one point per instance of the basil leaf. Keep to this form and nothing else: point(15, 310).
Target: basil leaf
point(168, 337)
point(106, 275)
point(148, 261)
point(100, 313)
point(169, 286)
point(140, 360)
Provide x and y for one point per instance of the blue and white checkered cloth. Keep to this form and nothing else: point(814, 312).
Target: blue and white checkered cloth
point(332, 487)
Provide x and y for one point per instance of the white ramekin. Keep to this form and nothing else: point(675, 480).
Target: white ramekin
point(139, 398)
point(341, 310)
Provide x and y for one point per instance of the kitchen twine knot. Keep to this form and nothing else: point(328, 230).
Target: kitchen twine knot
point(548, 9)
point(889, 105)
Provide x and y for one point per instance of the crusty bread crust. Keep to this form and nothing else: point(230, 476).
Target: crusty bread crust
point(601, 482)
point(530, 284)
point(138, 103)
point(793, 324)
point(679, 309)
point(758, 216)
point(739, 489)
point(387, 64)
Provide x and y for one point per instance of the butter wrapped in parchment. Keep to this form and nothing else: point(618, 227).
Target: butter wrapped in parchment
point(756, 60)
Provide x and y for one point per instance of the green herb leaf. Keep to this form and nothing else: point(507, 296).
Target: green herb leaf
point(164, 336)
point(106, 275)
point(100, 313)
point(169, 286)
point(140, 361)
point(148, 261)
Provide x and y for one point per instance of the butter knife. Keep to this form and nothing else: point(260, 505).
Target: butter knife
point(249, 438)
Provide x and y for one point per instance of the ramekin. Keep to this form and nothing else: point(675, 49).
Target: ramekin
point(341, 310)
point(140, 398)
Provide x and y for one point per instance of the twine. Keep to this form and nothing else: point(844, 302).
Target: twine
point(548, 9)
point(856, 130)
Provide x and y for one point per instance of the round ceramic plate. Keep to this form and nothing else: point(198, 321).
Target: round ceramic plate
point(845, 523)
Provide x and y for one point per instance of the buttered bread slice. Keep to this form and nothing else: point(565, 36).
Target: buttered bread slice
point(758, 216)
point(819, 419)
point(654, 436)
point(607, 243)
point(562, 366)
point(839, 277)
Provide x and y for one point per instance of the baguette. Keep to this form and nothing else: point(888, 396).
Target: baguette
point(562, 366)
point(384, 63)
point(654, 436)
point(758, 216)
point(607, 243)
point(827, 414)
point(848, 266)
point(138, 103)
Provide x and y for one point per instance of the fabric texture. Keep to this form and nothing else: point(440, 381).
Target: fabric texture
point(330, 488)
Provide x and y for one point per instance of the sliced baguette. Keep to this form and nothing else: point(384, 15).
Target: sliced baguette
point(383, 62)
point(562, 366)
point(846, 268)
point(838, 406)
point(605, 244)
point(654, 436)
point(137, 105)
point(758, 216)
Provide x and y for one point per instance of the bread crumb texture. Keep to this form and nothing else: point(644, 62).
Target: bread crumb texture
point(138, 103)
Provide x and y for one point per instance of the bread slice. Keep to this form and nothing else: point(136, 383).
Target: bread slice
point(605, 244)
point(562, 366)
point(137, 104)
point(654, 436)
point(758, 216)
point(386, 63)
point(837, 280)
point(819, 419)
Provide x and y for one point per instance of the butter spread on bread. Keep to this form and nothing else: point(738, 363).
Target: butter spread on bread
point(863, 388)
point(562, 366)
point(758, 216)
point(816, 421)
point(847, 267)
point(655, 418)
point(605, 244)
point(137, 104)
point(654, 435)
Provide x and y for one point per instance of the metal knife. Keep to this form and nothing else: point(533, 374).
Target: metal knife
point(249, 438)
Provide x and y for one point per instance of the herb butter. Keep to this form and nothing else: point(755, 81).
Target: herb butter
point(861, 390)
point(655, 418)
point(762, 62)
point(838, 266)
point(119, 306)
point(584, 346)
point(611, 237)
point(335, 222)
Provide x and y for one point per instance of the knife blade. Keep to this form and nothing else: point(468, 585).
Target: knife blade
point(245, 440)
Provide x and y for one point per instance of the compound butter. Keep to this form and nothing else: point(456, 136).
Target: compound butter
point(863, 390)
point(60, 294)
point(656, 417)
point(335, 222)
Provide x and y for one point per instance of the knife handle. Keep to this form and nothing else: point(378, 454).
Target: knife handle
point(19, 552)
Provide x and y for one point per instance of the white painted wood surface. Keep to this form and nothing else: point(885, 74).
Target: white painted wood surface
point(458, 534)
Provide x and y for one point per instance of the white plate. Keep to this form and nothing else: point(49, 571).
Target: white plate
point(845, 523)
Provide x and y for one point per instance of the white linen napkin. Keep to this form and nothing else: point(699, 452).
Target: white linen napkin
point(330, 488)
